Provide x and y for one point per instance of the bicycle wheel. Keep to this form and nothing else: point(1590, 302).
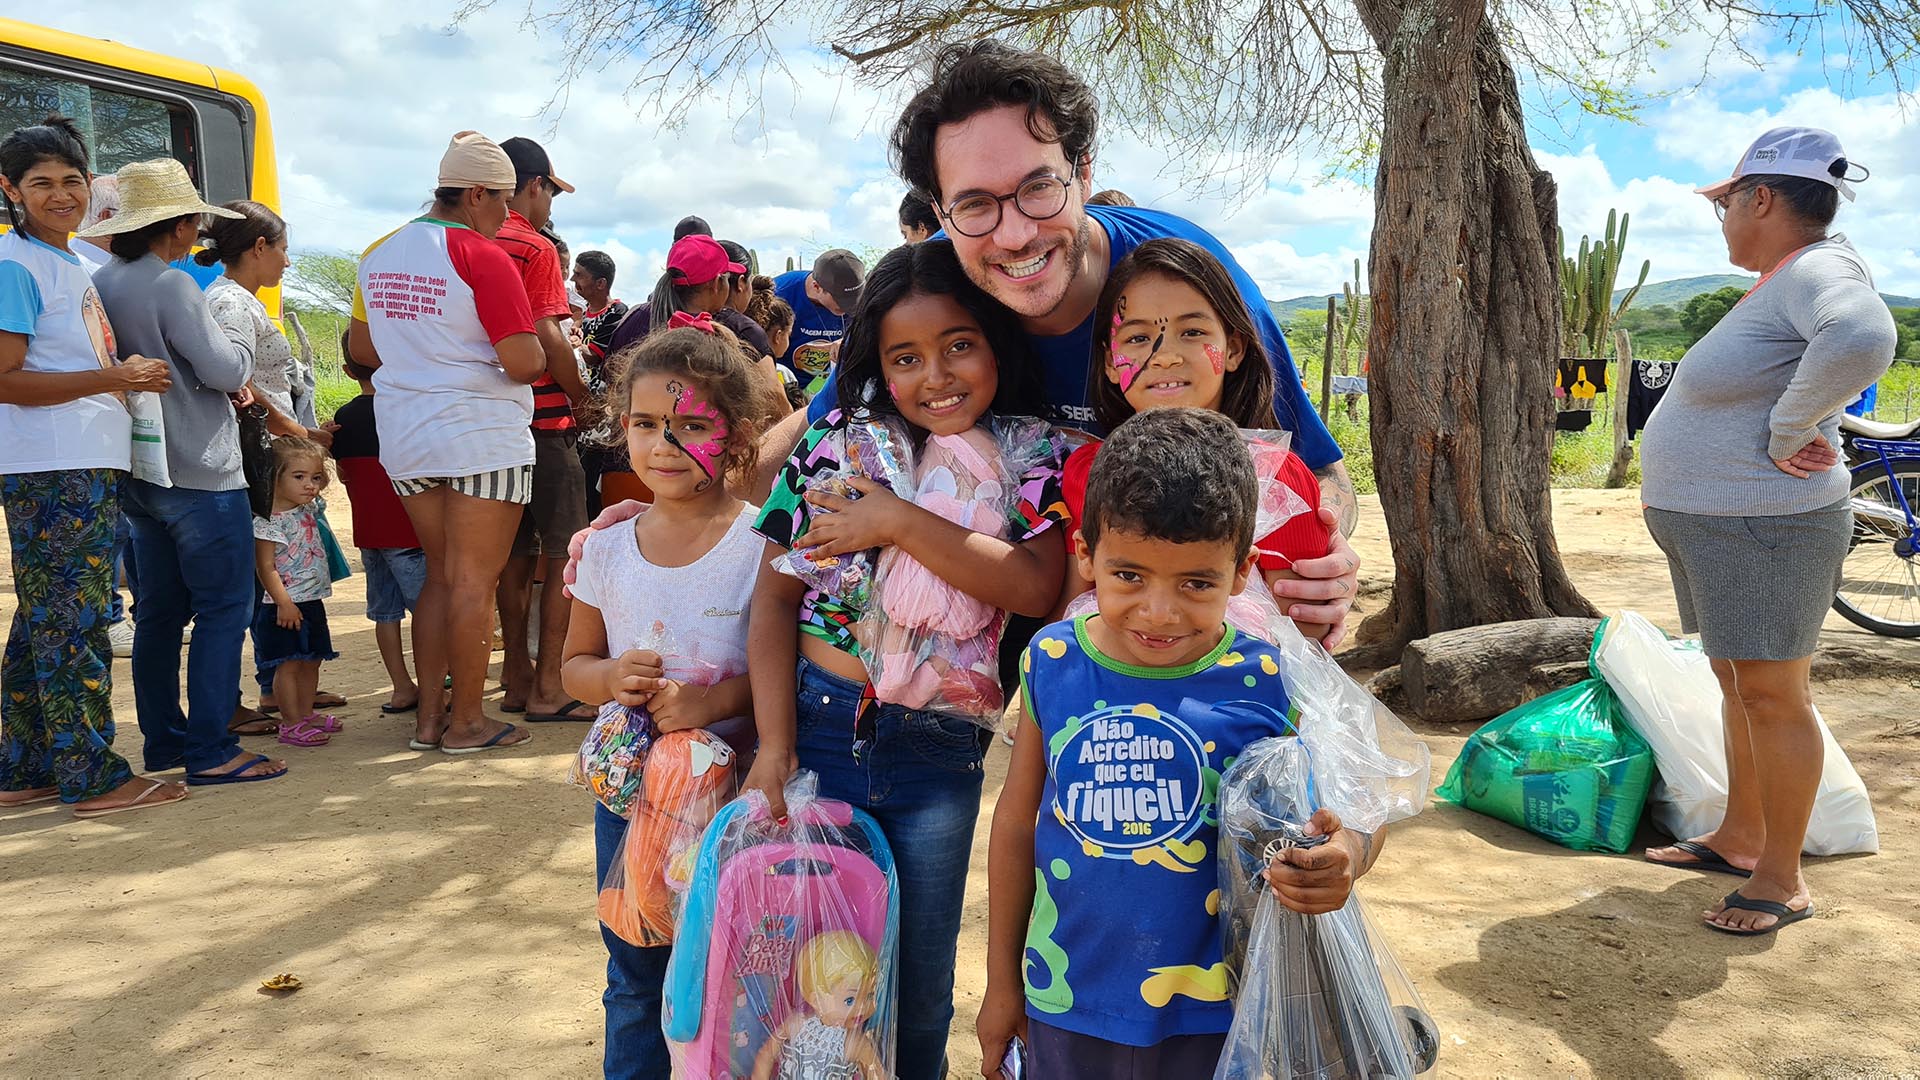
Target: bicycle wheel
point(1880, 580)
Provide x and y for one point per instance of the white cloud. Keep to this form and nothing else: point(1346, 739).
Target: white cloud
point(364, 94)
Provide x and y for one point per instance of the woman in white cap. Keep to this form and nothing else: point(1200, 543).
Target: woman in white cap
point(441, 316)
point(1743, 495)
point(193, 541)
point(65, 440)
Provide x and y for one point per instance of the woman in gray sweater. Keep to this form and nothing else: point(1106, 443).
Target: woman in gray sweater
point(193, 542)
point(1743, 495)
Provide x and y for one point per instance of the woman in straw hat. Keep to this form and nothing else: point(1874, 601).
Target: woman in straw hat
point(193, 541)
point(64, 454)
point(441, 316)
point(1743, 496)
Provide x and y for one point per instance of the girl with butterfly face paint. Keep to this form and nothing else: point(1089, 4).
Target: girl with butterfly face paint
point(1172, 330)
point(657, 638)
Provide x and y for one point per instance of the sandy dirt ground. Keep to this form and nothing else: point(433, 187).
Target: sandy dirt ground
point(440, 910)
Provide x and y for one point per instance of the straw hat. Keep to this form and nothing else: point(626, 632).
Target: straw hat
point(153, 191)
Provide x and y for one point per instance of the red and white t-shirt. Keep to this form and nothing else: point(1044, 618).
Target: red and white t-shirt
point(1299, 537)
point(437, 297)
point(538, 264)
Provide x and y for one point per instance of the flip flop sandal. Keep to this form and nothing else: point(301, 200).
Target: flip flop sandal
point(1782, 914)
point(587, 713)
point(327, 699)
point(326, 722)
point(422, 744)
point(139, 802)
point(232, 776)
point(491, 744)
point(304, 733)
point(48, 796)
point(1704, 858)
point(392, 710)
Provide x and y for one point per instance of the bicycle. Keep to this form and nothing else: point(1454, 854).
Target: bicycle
point(1880, 579)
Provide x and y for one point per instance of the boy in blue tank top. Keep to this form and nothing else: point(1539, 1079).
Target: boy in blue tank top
point(1104, 949)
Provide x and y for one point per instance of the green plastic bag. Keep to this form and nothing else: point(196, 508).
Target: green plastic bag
point(1565, 766)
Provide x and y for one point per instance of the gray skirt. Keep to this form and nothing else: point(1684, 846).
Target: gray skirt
point(1754, 588)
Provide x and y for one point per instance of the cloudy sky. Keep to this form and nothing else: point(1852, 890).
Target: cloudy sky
point(364, 94)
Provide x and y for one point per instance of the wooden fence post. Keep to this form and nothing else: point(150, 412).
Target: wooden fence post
point(1326, 364)
point(1622, 376)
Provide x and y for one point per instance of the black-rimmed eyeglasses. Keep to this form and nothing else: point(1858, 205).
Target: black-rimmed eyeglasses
point(1038, 199)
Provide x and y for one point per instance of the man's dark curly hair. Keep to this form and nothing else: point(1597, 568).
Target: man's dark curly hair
point(982, 75)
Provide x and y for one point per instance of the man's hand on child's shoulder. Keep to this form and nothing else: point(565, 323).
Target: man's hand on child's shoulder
point(1316, 880)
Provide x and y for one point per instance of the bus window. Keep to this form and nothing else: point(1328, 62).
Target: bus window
point(119, 127)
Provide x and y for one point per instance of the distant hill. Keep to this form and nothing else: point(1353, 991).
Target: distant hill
point(1286, 309)
point(1677, 292)
point(1673, 294)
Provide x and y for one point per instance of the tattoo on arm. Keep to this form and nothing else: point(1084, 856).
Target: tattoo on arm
point(1337, 495)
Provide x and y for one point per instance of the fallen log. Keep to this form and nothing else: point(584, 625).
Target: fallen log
point(1480, 672)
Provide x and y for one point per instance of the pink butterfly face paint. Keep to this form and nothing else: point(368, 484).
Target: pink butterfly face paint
point(712, 448)
point(1125, 368)
point(1217, 359)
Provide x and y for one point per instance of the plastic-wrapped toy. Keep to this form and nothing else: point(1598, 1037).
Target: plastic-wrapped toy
point(835, 973)
point(926, 644)
point(614, 747)
point(877, 450)
point(1317, 997)
point(787, 956)
point(687, 776)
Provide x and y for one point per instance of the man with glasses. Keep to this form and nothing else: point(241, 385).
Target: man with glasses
point(1002, 142)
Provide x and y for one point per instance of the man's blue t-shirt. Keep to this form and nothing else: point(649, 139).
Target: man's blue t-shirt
point(812, 324)
point(1064, 358)
point(1124, 941)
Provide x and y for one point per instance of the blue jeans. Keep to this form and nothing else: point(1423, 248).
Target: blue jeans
point(122, 561)
point(195, 552)
point(920, 779)
point(395, 577)
point(636, 1046)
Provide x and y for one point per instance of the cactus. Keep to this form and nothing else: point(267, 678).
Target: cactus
point(1352, 336)
point(1587, 311)
point(790, 264)
point(753, 261)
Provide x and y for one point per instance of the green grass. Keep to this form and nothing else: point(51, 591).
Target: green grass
point(331, 387)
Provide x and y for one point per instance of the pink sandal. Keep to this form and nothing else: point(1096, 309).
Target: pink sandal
point(304, 733)
point(326, 722)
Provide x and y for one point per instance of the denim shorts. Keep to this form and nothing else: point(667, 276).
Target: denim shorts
point(274, 644)
point(394, 578)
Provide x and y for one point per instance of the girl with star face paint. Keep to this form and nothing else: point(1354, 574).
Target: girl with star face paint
point(1172, 330)
point(660, 618)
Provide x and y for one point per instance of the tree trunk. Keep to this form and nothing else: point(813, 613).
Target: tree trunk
point(1466, 325)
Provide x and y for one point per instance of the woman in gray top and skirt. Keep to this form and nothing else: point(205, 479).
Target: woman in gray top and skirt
point(1743, 495)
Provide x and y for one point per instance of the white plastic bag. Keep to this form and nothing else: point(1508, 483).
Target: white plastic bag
point(1671, 697)
point(149, 438)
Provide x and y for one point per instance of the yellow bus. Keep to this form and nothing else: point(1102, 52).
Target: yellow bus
point(135, 106)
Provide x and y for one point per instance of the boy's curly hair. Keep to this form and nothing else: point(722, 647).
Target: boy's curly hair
point(1179, 475)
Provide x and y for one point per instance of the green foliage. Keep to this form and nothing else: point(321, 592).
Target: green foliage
point(321, 281)
point(1587, 314)
point(1705, 311)
point(331, 386)
point(1906, 323)
point(1656, 332)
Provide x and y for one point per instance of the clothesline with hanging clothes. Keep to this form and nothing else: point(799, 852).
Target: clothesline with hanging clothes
point(1578, 381)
